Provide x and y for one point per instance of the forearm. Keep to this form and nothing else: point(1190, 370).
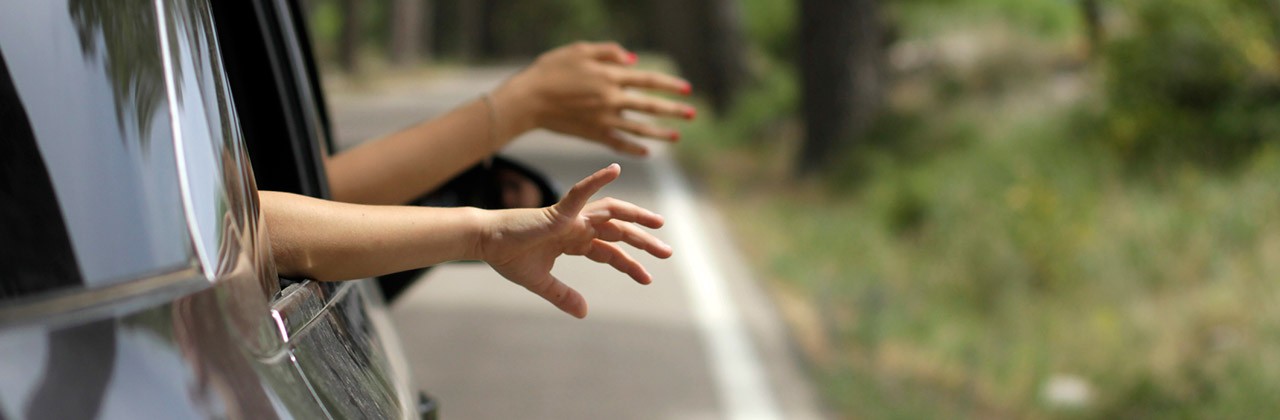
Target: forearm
point(325, 240)
point(402, 166)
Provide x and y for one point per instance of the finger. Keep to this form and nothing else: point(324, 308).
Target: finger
point(609, 208)
point(615, 231)
point(607, 253)
point(653, 80)
point(610, 137)
point(577, 196)
point(604, 135)
point(657, 106)
point(642, 129)
point(560, 295)
point(611, 52)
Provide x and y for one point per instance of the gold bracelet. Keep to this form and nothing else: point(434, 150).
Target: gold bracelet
point(493, 127)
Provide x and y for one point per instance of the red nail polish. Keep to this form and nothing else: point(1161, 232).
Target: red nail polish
point(675, 136)
point(686, 89)
point(689, 113)
point(632, 58)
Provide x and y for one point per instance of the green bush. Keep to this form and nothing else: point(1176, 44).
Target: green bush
point(977, 248)
point(770, 25)
point(1191, 81)
point(927, 18)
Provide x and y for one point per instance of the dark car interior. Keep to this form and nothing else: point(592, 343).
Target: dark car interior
point(280, 103)
point(277, 125)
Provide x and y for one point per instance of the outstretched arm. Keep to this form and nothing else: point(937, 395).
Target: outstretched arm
point(328, 241)
point(580, 90)
point(406, 164)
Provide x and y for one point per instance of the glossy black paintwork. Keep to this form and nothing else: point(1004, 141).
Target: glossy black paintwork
point(100, 124)
point(133, 118)
point(37, 253)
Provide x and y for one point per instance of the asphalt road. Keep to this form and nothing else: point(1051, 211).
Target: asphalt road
point(701, 342)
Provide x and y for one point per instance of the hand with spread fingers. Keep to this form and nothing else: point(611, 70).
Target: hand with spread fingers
point(582, 90)
point(522, 245)
point(331, 241)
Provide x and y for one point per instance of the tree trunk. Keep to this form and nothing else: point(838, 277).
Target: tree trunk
point(706, 39)
point(1271, 9)
point(426, 36)
point(308, 8)
point(1092, 14)
point(470, 28)
point(349, 44)
point(842, 56)
point(406, 31)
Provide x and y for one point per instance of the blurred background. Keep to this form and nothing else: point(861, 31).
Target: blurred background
point(962, 208)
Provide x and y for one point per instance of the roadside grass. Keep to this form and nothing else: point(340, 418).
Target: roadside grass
point(984, 248)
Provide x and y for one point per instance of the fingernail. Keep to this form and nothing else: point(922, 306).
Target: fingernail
point(675, 135)
point(632, 58)
point(686, 89)
point(690, 112)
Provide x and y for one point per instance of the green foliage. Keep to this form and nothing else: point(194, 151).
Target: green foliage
point(326, 20)
point(1046, 18)
point(770, 26)
point(760, 114)
point(511, 28)
point(976, 276)
point(522, 27)
point(1192, 81)
point(998, 235)
point(326, 26)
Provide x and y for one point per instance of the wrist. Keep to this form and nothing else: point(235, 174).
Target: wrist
point(516, 107)
point(481, 233)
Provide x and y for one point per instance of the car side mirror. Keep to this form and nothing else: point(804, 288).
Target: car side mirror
point(501, 184)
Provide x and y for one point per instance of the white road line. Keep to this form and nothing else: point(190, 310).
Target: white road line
point(738, 374)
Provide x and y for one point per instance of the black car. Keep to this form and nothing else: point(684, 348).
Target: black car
point(135, 279)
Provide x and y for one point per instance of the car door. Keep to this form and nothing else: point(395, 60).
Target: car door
point(339, 334)
point(136, 281)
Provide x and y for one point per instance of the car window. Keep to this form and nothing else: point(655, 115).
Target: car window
point(275, 102)
point(89, 194)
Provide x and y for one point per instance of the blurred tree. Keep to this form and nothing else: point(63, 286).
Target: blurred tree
point(1271, 10)
point(349, 42)
point(1192, 81)
point(521, 29)
point(1092, 14)
point(308, 7)
point(842, 56)
point(135, 70)
point(706, 39)
point(409, 40)
point(631, 23)
point(471, 31)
